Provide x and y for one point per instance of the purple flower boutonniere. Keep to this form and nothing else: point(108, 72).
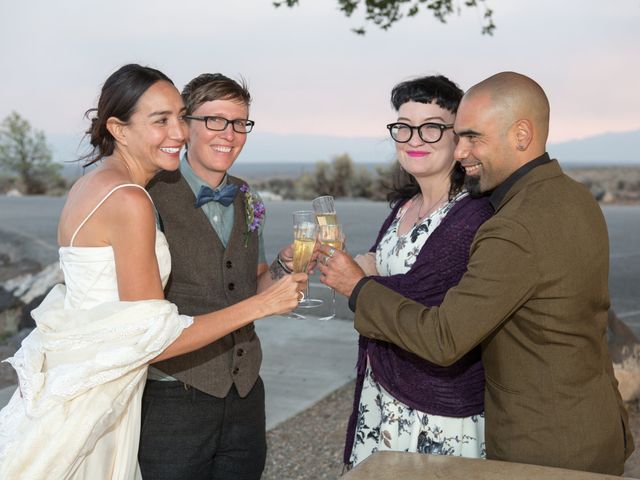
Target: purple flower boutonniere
point(254, 212)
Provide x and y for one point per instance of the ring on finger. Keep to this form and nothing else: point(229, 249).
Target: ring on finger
point(332, 251)
point(300, 296)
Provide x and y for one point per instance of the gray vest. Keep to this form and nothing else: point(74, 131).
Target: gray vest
point(206, 277)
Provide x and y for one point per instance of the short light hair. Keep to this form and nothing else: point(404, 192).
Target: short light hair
point(208, 87)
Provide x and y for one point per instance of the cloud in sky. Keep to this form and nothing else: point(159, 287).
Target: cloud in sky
point(307, 71)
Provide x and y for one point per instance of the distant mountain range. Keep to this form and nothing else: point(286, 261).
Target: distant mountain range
point(620, 148)
point(278, 153)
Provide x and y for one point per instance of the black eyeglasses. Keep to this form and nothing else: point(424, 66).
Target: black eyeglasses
point(428, 132)
point(217, 124)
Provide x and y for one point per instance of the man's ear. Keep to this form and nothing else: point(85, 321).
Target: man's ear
point(523, 129)
point(117, 129)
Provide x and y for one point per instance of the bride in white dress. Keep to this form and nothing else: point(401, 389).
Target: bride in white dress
point(76, 413)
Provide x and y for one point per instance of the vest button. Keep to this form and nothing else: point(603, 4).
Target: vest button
point(229, 264)
point(231, 286)
point(235, 371)
point(240, 352)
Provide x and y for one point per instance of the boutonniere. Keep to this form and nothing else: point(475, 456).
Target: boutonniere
point(254, 212)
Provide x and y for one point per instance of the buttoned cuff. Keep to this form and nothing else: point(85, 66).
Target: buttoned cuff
point(353, 298)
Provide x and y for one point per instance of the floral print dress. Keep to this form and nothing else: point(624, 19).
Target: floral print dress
point(385, 423)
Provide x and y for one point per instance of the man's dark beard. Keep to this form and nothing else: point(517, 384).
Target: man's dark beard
point(472, 184)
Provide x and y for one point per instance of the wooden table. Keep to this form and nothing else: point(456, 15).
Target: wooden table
point(413, 466)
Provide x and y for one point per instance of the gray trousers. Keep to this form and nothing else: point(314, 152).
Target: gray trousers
point(188, 434)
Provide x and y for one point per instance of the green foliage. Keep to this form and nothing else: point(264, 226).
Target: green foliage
point(362, 183)
point(25, 158)
point(383, 181)
point(283, 186)
point(342, 176)
point(384, 13)
point(327, 179)
point(339, 178)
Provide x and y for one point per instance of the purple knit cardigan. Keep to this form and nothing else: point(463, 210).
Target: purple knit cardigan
point(453, 391)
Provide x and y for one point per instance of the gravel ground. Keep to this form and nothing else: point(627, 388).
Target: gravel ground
point(632, 467)
point(309, 445)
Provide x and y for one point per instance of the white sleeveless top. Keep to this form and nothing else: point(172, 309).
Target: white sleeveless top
point(89, 272)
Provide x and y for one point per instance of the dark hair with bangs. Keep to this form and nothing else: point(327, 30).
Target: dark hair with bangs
point(443, 92)
point(436, 88)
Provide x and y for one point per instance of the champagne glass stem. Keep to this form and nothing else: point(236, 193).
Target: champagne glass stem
point(333, 308)
point(309, 302)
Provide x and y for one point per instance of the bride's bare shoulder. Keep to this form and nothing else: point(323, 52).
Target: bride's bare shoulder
point(87, 193)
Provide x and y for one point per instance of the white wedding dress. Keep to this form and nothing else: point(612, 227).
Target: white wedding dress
point(82, 371)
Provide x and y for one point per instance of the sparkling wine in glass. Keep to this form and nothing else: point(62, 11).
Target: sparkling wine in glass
point(331, 235)
point(302, 249)
point(305, 232)
point(325, 210)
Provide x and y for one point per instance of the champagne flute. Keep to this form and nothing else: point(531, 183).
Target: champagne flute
point(305, 231)
point(325, 210)
point(331, 235)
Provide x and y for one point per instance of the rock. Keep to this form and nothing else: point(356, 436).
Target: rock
point(16, 257)
point(20, 267)
point(7, 300)
point(622, 341)
point(25, 320)
point(20, 295)
point(10, 309)
point(624, 348)
point(29, 286)
point(608, 197)
point(628, 376)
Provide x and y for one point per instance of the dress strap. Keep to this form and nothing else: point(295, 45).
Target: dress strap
point(117, 187)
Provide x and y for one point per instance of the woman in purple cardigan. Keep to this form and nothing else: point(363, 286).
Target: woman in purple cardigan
point(403, 402)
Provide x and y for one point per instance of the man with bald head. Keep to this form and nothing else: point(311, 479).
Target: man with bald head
point(535, 295)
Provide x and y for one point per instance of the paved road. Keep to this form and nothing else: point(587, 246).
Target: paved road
point(624, 273)
point(29, 225)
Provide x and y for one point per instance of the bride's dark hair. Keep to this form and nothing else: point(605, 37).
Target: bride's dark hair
point(118, 98)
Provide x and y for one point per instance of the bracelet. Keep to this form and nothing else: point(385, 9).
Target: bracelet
point(283, 265)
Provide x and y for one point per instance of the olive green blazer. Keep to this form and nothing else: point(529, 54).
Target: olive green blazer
point(535, 297)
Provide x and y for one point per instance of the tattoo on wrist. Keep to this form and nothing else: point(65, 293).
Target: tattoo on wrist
point(278, 269)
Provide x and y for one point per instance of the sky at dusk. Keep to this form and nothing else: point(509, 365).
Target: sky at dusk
point(307, 72)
